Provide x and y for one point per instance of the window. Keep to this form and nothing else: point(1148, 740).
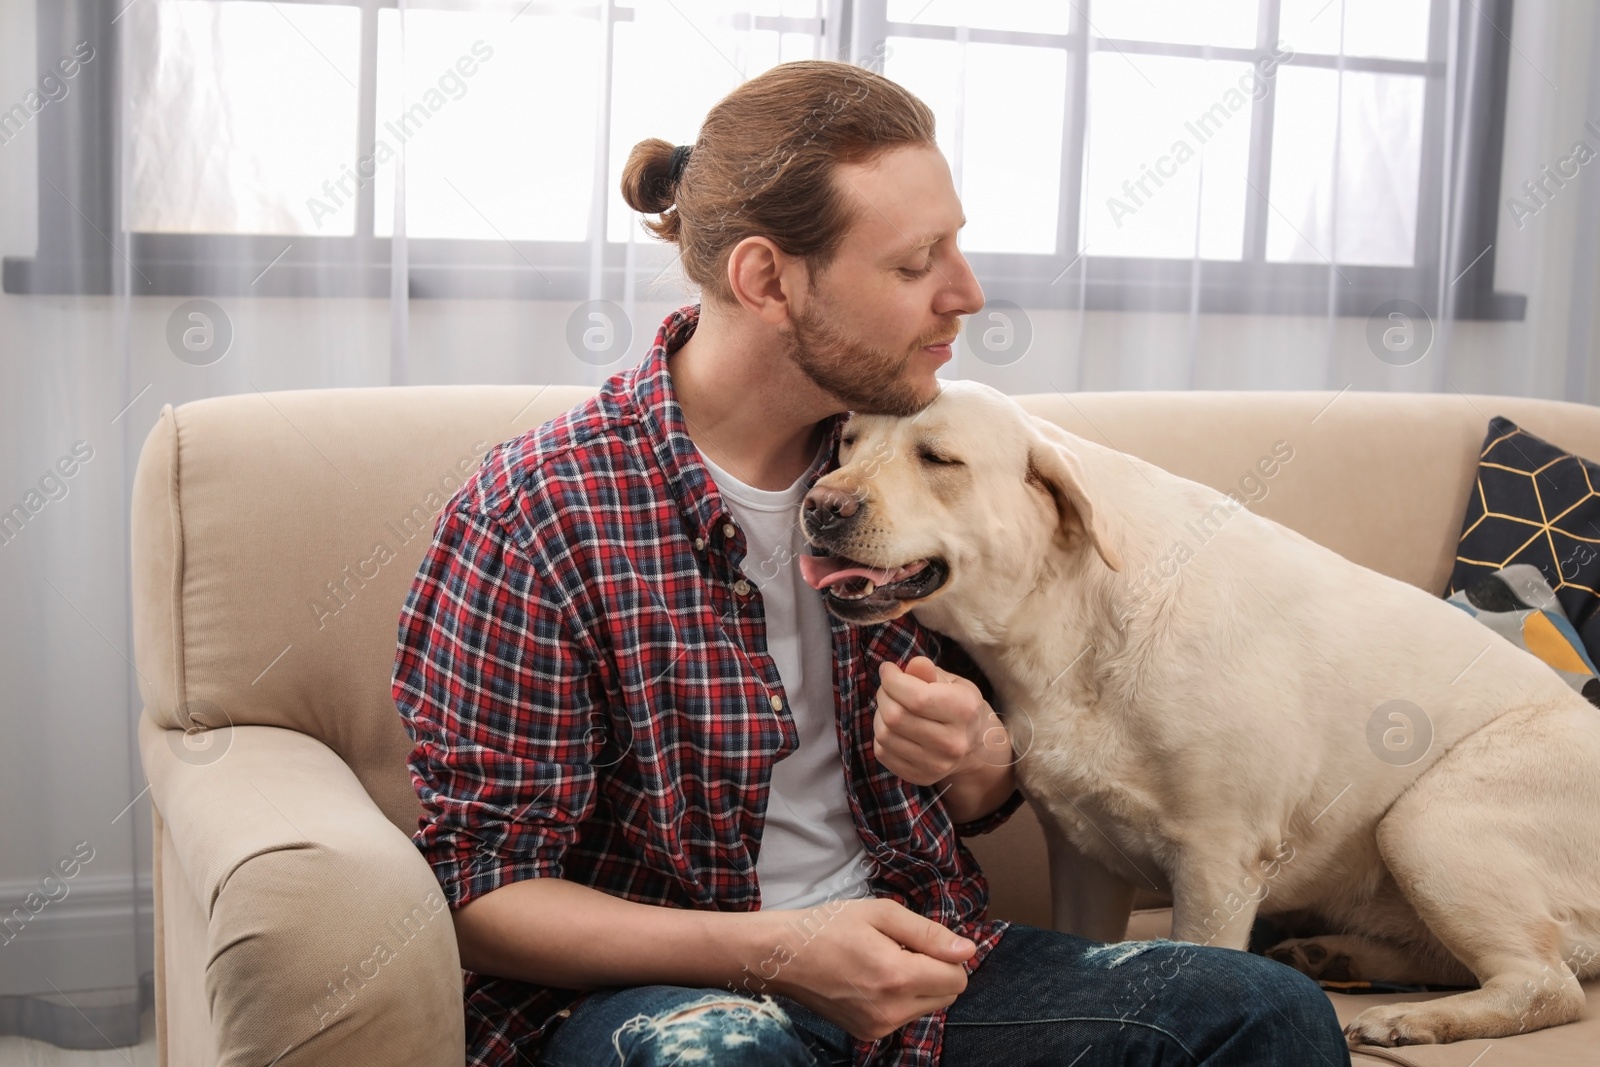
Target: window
point(1241, 155)
point(1141, 154)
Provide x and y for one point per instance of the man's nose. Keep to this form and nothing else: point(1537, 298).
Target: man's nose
point(825, 505)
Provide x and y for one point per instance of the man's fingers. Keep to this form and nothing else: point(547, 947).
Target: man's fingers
point(935, 981)
point(921, 934)
point(905, 689)
point(950, 735)
point(915, 730)
point(920, 697)
point(923, 1005)
point(909, 764)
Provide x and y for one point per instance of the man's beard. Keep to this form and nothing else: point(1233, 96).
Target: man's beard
point(869, 380)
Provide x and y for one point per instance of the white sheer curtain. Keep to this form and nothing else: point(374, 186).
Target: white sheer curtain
point(230, 195)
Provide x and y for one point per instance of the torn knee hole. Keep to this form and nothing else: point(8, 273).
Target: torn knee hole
point(694, 1011)
point(713, 1016)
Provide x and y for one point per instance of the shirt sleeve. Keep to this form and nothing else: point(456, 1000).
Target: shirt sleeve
point(984, 823)
point(501, 704)
point(953, 658)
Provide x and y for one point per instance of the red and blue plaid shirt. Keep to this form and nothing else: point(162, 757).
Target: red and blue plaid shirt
point(584, 675)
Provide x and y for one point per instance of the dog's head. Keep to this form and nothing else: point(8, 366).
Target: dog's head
point(961, 504)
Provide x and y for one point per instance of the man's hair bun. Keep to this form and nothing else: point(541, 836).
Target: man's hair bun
point(648, 186)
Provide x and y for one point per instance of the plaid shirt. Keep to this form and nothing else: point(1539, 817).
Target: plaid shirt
point(583, 672)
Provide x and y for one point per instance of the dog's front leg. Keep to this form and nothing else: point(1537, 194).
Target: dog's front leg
point(1086, 899)
point(1214, 905)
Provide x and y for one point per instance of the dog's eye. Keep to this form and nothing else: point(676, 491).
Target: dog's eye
point(847, 440)
point(928, 455)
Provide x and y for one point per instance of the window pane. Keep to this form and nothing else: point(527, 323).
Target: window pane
point(1011, 154)
point(1393, 29)
point(710, 57)
point(1028, 16)
point(1379, 143)
point(1006, 159)
point(1168, 148)
point(238, 114)
point(488, 154)
point(1229, 23)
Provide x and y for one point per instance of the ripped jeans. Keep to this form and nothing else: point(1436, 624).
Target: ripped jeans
point(1040, 999)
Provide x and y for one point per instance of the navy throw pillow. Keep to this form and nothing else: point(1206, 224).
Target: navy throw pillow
point(1535, 503)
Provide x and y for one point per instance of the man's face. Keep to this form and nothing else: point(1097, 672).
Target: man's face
point(879, 321)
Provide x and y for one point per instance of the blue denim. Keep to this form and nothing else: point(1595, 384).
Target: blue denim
point(1040, 998)
point(661, 1025)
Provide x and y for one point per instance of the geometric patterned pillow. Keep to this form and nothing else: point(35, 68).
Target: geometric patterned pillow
point(1517, 604)
point(1534, 503)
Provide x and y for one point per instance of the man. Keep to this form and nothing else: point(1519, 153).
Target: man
point(681, 813)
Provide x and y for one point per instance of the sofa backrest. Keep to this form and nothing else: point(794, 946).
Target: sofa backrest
point(275, 535)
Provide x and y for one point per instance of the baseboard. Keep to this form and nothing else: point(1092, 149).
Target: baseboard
point(71, 973)
point(93, 1019)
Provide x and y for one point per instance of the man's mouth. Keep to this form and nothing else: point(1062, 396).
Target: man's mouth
point(849, 581)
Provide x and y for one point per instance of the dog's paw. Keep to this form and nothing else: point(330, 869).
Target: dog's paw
point(1313, 957)
point(1389, 1026)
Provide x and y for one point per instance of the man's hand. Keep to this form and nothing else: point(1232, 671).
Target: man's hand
point(934, 728)
point(868, 965)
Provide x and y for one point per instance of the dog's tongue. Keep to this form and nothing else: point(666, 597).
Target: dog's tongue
point(823, 571)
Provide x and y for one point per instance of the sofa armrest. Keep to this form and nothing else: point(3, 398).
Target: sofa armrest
point(329, 940)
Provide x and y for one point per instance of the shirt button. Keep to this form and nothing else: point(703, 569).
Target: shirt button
point(728, 530)
point(741, 587)
point(699, 544)
point(777, 702)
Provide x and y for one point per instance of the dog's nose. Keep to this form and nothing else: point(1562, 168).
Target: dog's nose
point(825, 505)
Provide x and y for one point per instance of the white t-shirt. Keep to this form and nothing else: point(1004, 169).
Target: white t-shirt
point(810, 850)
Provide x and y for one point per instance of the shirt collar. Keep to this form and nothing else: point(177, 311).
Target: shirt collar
point(666, 434)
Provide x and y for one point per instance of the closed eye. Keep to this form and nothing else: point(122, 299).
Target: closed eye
point(928, 455)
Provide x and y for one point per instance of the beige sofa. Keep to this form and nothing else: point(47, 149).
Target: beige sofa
point(274, 539)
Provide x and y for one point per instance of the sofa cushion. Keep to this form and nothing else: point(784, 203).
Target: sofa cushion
point(1571, 1045)
point(1535, 503)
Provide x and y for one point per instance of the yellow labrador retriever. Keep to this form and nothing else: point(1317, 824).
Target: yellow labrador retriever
point(1218, 732)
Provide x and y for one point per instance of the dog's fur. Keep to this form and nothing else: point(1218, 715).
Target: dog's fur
point(1207, 734)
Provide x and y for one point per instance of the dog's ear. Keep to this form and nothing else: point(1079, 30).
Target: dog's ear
point(1054, 468)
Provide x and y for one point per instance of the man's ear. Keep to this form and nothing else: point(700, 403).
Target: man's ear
point(1053, 467)
point(757, 269)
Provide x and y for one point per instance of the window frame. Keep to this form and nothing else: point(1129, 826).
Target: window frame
point(1254, 284)
point(77, 253)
